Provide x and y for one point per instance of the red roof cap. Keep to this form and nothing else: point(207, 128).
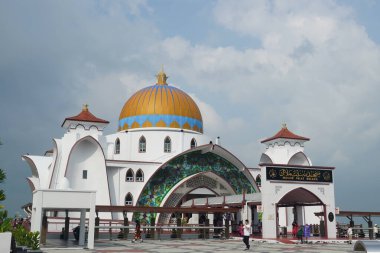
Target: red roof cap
point(284, 133)
point(86, 115)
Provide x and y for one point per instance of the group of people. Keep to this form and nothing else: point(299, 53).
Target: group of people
point(21, 222)
point(302, 232)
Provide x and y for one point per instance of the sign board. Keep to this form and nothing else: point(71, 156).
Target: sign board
point(299, 174)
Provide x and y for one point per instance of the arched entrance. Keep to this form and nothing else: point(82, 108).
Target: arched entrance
point(299, 206)
point(201, 185)
point(202, 167)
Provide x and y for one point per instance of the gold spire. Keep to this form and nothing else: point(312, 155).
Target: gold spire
point(162, 77)
point(85, 108)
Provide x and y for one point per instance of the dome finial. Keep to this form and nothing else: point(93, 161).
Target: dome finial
point(284, 126)
point(85, 108)
point(161, 76)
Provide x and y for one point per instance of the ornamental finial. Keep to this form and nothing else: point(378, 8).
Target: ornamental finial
point(161, 77)
point(284, 126)
point(85, 108)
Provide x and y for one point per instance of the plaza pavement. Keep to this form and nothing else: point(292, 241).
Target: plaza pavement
point(197, 245)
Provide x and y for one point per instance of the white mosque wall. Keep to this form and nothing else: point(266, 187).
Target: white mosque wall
point(129, 144)
point(86, 169)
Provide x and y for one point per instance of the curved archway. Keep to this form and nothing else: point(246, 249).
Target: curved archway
point(300, 205)
point(87, 155)
point(265, 159)
point(204, 184)
point(299, 159)
point(299, 196)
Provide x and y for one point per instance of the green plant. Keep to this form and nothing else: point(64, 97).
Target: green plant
point(5, 222)
point(20, 235)
point(33, 240)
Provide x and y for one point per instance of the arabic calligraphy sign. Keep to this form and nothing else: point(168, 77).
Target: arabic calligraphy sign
point(297, 174)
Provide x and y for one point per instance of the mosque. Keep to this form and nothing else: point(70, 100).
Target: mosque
point(159, 157)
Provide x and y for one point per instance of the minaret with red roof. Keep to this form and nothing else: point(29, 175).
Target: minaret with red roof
point(285, 147)
point(86, 119)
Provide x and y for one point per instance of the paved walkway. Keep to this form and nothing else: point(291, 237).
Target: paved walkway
point(199, 246)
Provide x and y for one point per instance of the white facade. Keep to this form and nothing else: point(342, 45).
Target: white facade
point(119, 166)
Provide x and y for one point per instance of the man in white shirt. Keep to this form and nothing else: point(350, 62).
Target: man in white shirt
point(349, 233)
point(246, 234)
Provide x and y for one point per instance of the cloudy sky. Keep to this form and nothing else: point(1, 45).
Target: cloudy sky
point(250, 65)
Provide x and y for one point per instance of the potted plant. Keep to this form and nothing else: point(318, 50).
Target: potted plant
point(33, 242)
point(5, 234)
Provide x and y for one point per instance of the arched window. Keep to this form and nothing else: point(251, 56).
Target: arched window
point(117, 146)
point(129, 199)
point(139, 176)
point(258, 180)
point(142, 144)
point(167, 145)
point(129, 176)
point(193, 143)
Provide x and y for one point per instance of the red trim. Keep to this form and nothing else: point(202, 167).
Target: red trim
point(284, 133)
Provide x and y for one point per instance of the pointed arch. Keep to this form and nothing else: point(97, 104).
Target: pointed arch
point(167, 145)
point(299, 159)
point(139, 176)
point(193, 143)
point(128, 201)
point(142, 144)
point(299, 196)
point(258, 180)
point(117, 146)
point(265, 159)
point(129, 176)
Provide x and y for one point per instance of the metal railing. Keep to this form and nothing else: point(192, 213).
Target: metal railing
point(203, 231)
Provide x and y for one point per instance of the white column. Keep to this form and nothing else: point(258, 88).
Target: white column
point(91, 224)
point(269, 220)
point(36, 221)
point(82, 227)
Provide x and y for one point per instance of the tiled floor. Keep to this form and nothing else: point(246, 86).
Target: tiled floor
point(198, 246)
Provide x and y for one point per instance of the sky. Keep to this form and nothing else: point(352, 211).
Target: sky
point(250, 66)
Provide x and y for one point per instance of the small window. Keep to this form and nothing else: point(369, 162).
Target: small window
point(117, 146)
point(142, 144)
point(139, 176)
point(129, 176)
point(129, 199)
point(258, 180)
point(167, 145)
point(84, 174)
point(193, 143)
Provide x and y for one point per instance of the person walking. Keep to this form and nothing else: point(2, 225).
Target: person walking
point(246, 234)
point(137, 232)
point(375, 231)
point(294, 229)
point(306, 232)
point(300, 234)
point(349, 234)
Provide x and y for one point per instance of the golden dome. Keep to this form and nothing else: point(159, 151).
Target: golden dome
point(161, 105)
